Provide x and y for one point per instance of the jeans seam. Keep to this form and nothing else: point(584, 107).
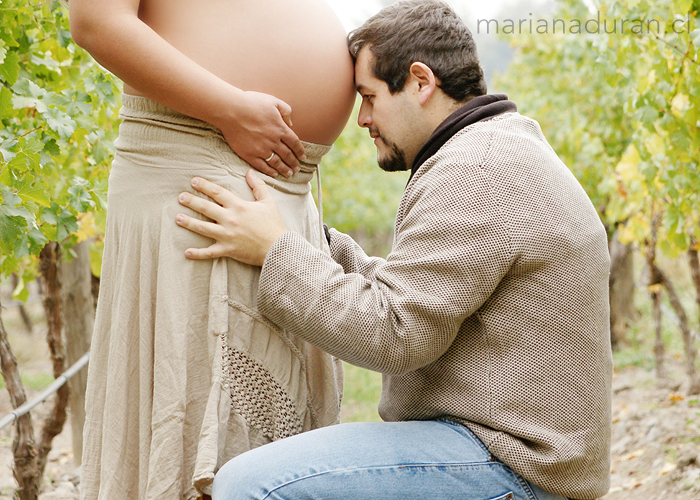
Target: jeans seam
point(395, 466)
point(468, 433)
point(524, 485)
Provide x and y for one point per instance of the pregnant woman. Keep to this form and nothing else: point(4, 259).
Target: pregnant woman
point(185, 373)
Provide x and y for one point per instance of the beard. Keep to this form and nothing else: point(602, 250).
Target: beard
point(394, 161)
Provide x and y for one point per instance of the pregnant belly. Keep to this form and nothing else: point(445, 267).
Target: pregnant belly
point(293, 49)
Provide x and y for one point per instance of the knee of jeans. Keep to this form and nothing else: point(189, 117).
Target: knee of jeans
point(233, 482)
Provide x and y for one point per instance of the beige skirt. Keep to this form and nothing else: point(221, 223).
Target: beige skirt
point(184, 372)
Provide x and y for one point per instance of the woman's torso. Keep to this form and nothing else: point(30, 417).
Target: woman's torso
point(294, 50)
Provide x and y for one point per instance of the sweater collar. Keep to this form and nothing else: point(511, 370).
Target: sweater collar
point(478, 109)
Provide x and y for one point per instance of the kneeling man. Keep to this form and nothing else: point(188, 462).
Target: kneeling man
point(488, 320)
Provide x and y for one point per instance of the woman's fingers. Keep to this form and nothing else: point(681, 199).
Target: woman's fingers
point(295, 148)
point(289, 163)
point(263, 167)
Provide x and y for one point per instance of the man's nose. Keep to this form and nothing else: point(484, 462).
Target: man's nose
point(364, 119)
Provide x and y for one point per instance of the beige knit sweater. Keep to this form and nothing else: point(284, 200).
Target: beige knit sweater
point(491, 309)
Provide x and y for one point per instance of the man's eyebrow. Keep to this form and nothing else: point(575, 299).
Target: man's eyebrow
point(360, 88)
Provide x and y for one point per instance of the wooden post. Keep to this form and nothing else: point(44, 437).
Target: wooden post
point(621, 290)
point(655, 291)
point(690, 350)
point(78, 316)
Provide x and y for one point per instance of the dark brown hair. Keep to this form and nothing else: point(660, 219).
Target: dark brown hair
point(426, 31)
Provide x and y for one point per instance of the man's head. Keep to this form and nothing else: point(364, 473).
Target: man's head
point(415, 63)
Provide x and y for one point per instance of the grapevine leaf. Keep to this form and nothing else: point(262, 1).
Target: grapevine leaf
point(9, 69)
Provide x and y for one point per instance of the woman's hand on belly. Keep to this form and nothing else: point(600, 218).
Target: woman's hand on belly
point(257, 126)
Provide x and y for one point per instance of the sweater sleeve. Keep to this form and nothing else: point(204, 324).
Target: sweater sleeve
point(346, 252)
point(452, 248)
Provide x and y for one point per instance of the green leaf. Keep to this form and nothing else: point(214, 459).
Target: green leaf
point(60, 122)
point(9, 69)
point(29, 95)
point(36, 239)
point(41, 61)
point(695, 36)
point(647, 115)
point(21, 292)
point(51, 147)
point(10, 229)
point(64, 37)
point(5, 101)
point(28, 190)
point(82, 201)
point(67, 224)
point(26, 87)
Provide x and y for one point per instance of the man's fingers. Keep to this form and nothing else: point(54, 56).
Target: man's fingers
point(208, 229)
point(222, 196)
point(211, 252)
point(202, 206)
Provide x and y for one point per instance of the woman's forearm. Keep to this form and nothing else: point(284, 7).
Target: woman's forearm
point(135, 53)
point(255, 125)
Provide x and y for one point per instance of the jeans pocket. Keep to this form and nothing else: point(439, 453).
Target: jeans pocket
point(505, 496)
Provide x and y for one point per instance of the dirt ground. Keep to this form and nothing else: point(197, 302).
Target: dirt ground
point(655, 450)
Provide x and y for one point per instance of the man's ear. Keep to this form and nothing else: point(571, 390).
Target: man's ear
point(424, 80)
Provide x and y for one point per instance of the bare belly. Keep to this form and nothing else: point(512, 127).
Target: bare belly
point(292, 49)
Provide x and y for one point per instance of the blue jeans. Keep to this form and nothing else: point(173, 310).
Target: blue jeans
point(426, 460)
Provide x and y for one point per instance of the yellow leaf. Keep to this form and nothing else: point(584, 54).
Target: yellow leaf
point(654, 288)
point(627, 234)
point(647, 81)
point(627, 167)
point(679, 104)
point(655, 145)
point(675, 397)
point(86, 227)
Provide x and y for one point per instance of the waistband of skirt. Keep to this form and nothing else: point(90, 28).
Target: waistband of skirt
point(143, 108)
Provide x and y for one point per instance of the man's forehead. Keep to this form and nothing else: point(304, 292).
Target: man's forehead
point(364, 76)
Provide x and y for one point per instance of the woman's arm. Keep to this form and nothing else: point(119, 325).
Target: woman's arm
point(254, 124)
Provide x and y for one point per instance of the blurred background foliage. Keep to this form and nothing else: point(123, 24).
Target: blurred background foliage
point(59, 118)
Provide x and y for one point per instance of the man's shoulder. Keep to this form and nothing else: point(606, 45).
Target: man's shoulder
point(473, 146)
point(502, 129)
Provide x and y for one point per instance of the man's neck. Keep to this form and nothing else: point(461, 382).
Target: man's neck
point(475, 110)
